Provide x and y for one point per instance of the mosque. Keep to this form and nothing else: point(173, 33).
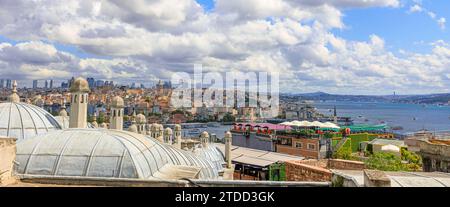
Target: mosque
point(67, 146)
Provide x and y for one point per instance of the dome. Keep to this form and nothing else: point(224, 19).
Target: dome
point(22, 121)
point(161, 127)
point(213, 154)
point(177, 127)
point(14, 97)
point(117, 102)
point(205, 134)
point(154, 127)
point(168, 131)
point(80, 85)
point(140, 119)
point(103, 153)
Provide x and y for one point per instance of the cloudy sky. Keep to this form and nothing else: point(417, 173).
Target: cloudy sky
point(336, 46)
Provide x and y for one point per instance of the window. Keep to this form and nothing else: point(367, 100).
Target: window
point(82, 99)
point(298, 145)
point(311, 146)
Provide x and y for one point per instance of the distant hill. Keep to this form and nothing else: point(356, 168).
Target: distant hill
point(417, 99)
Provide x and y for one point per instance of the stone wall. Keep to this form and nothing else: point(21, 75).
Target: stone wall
point(345, 164)
point(318, 170)
point(7, 157)
point(298, 171)
point(298, 152)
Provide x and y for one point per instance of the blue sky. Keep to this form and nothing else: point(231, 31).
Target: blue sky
point(399, 28)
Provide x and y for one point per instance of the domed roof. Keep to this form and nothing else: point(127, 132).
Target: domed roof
point(168, 131)
point(140, 119)
point(80, 85)
point(177, 127)
point(22, 121)
point(205, 134)
point(102, 153)
point(154, 127)
point(117, 102)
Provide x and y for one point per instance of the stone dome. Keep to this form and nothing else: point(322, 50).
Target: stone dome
point(117, 102)
point(177, 127)
point(205, 134)
point(140, 119)
point(80, 85)
point(14, 97)
point(168, 131)
point(154, 127)
point(106, 154)
point(22, 121)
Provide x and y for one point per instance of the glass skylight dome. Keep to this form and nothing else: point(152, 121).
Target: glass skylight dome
point(104, 153)
point(22, 121)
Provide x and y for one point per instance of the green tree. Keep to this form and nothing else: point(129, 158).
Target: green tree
point(229, 118)
point(385, 161)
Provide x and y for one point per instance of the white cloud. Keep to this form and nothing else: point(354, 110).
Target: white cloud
point(146, 39)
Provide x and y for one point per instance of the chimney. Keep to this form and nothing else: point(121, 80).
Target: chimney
point(79, 103)
point(177, 135)
point(228, 142)
point(204, 139)
point(117, 106)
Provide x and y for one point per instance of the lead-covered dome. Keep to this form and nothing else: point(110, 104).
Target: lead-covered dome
point(105, 153)
point(22, 121)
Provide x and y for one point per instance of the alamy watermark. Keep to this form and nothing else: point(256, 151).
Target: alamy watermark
point(254, 90)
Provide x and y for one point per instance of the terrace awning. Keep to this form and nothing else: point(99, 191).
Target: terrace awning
point(327, 125)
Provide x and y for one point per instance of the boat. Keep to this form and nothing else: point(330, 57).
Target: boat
point(397, 128)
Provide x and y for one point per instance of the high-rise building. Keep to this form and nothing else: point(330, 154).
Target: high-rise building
point(99, 83)
point(91, 82)
point(8, 84)
point(51, 83)
point(2, 83)
point(46, 84)
point(64, 85)
point(35, 84)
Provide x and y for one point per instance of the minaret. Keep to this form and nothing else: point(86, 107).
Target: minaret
point(204, 139)
point(168, 135)
point(228, 141)
point(117, 113)
point(79, 103)
point(177, 136)
point(63, 111)
point(14, 98)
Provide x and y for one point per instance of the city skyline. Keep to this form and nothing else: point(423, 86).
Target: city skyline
point(339, 47)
